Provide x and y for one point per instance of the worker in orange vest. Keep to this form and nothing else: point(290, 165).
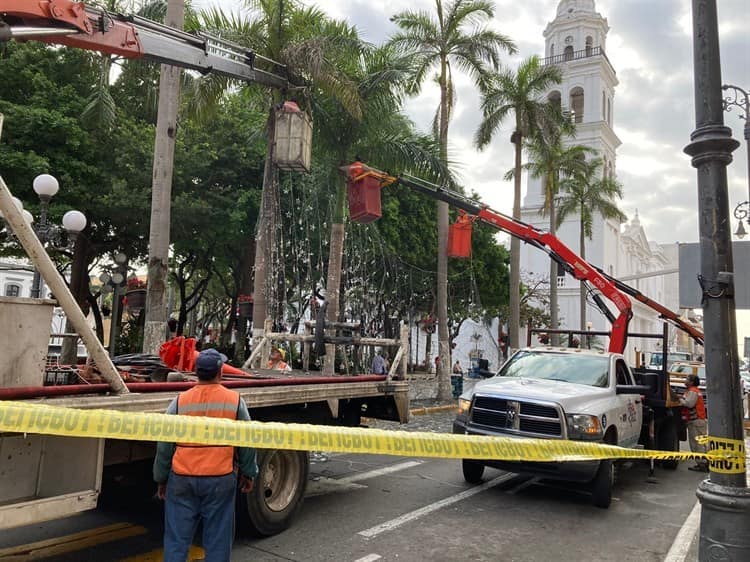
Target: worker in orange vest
point(199, 482)
point(695, 414)
point(276, 361)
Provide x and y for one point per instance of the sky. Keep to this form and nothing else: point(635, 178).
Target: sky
point(650, 47)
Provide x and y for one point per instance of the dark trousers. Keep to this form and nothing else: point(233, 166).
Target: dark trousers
point(191, 499)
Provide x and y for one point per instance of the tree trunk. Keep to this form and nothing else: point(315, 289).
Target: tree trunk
point(154, 331)
point(333, 295)
point(514, 326)
point(553, 309)
point(582, 244)
point(245, 287)
point(79, 286)
point(442, 370)
point(265, 236)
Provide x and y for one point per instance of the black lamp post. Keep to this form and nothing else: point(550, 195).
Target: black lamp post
point(724, 496)
point(46, 186)
point(116, 281)
point(741, 99)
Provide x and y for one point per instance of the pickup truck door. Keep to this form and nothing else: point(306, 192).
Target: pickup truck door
point(628, 410)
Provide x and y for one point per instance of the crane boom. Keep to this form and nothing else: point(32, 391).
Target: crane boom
point(74, 24)
point(616, 291)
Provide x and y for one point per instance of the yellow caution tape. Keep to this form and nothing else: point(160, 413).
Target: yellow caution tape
point(21, 417)
point(733, 463)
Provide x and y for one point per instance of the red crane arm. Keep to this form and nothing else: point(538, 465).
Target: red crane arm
point(74, 24)
point(574, 264)
point(616, 291)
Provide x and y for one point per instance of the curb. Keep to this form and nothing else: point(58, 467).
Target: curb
point(432, 409)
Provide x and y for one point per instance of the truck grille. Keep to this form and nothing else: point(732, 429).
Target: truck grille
point(518, 417)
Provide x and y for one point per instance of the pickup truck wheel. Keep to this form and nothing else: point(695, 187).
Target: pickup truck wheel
point(668, 441)
point(278, 492)
point(601, 485)
point(473, 471)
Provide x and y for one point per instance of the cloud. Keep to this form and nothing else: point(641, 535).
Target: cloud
point(650, 47)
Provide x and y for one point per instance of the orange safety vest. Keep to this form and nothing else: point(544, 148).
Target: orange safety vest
point(213, 401)
point(699, 410)
point(279, 366)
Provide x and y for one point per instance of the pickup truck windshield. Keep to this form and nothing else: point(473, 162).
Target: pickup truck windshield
point(566, 367)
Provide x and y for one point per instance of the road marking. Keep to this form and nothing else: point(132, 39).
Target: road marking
point(683, 540)
point(195, 554)
point(359, 476)
point(369, 558)
point(71, 543)
point(417, 513)
point(325, 485)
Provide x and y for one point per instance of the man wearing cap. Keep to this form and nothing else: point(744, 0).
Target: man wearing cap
point(276, 361)
point(199, 482)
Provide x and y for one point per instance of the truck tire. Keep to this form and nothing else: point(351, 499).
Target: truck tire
point(473, 471)
point(278, 492)
point(601, 485)
point(667, 440)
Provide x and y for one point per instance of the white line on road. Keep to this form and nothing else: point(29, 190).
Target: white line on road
point(378, 472)
point(417, 513)
point(681, 545)
point(369, 558)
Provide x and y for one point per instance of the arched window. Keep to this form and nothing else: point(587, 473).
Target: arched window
point(589, 45)
point(609, 111)
point(568, 53)
point(555, 98)
point(12, 290)
point(576, 103)
point(552, 49)
point(604, 105)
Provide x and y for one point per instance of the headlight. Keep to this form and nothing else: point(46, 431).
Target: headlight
point(463, 406)
point(583, 426)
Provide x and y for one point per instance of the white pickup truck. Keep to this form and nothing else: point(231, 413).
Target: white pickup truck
point(559, 393)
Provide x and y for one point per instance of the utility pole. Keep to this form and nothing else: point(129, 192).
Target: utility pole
point(724, 496)
point(161, 195)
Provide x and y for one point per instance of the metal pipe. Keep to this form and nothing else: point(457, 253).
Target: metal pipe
point(27, 31)
point(29, 392)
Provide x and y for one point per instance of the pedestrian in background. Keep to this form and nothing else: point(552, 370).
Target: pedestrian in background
point(277, 360)
point(379, 364)
point(457, 368)
point(695, 414)
point(199, 482)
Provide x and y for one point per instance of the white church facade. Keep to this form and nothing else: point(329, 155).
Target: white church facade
point(576, 42)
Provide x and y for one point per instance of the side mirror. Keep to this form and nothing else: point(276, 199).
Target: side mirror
point(632, 389)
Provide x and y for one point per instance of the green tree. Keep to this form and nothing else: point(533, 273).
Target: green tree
point(382, 133)
point(456, 34)
point(517, 93)
point(306, 43)
point(550, 160)
point(585, 194)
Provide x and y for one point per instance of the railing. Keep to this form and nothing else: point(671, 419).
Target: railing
point(576, 55)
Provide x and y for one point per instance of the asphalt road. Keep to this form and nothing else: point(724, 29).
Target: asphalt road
point(363, 508)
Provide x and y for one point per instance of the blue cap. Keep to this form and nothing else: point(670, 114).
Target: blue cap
point(210, 361)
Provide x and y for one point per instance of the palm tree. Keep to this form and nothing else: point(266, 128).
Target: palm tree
point(551, 160)
point(456, 34)
point(382, 132)
point(586, 193)
point(308, 44)
point(518, 93)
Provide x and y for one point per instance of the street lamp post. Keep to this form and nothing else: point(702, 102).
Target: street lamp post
point(46, 186)
point(116, 280)
point(724, 496)
point(741, 99)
